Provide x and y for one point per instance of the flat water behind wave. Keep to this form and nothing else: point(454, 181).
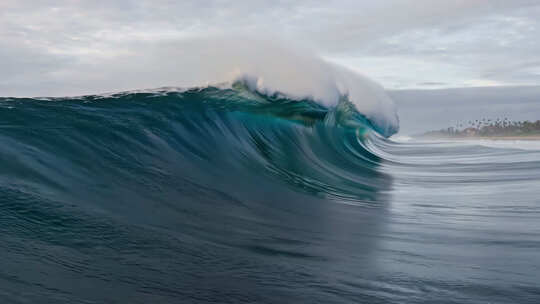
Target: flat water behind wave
point(464, 223)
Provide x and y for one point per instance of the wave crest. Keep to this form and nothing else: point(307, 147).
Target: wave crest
point(298, 76)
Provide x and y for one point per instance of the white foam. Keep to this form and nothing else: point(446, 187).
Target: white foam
point(520, 144)
point(401, 138)
point(505, 143)
point(301, 75)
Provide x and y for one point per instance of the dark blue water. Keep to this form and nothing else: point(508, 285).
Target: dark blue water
point(225, 196)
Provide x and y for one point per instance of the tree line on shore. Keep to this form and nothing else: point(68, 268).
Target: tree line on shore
point(490, 127)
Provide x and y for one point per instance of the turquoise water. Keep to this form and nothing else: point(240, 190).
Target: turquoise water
point(226, 196)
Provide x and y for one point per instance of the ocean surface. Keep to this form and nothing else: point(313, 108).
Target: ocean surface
point(224, 195)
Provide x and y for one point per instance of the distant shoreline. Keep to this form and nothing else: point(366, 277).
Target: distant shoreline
point(489, 129)
point(510, 137)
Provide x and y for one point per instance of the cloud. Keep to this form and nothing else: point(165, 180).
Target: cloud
point(402, 43)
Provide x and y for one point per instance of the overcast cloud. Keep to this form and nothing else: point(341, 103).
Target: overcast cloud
point(69, 47)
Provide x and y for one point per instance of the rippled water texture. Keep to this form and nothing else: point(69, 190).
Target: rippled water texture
point(225, 196)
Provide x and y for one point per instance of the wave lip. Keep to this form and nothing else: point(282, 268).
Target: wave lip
point(294, 73)
point(337, 85)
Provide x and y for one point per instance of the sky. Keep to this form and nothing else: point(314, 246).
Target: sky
point(67, 47)
point(423, 110)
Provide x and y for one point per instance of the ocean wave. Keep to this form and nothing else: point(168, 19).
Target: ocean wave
point(122, 136)
point(232, 194)
point(268, 68)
